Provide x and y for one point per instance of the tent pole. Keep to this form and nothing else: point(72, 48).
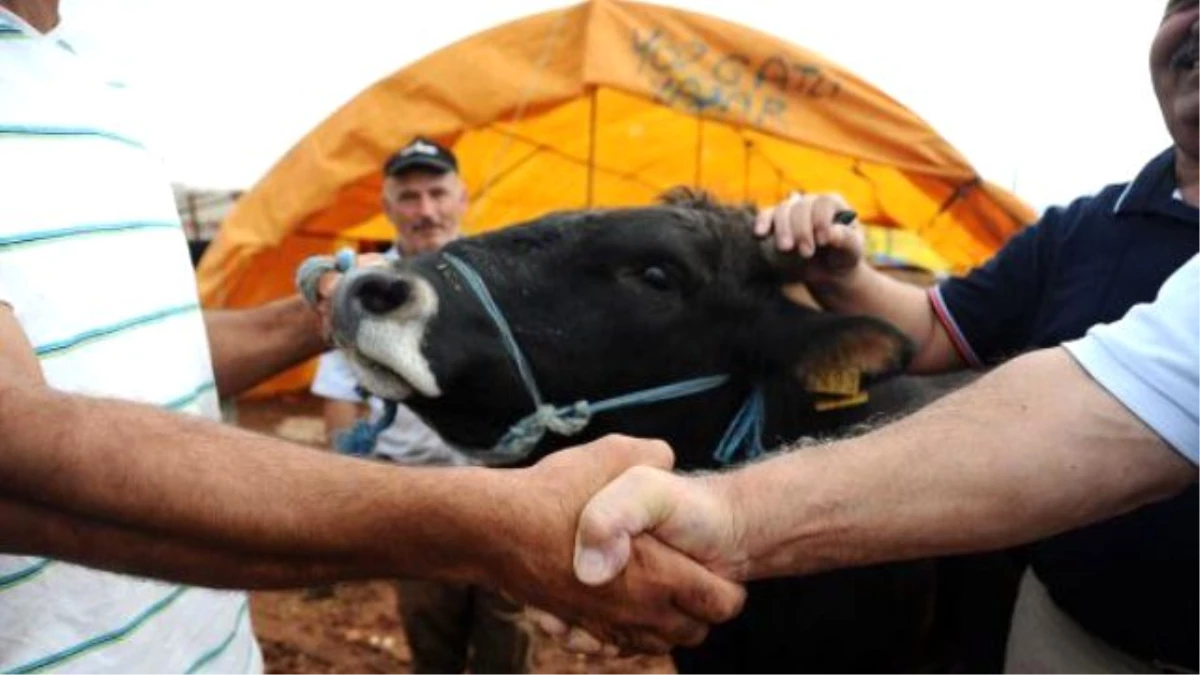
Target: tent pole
point(591, 163)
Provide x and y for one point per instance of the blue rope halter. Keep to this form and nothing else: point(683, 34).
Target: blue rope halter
point(744, 431)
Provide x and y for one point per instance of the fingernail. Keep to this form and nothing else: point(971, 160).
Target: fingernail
point(581, 642)
point(806, 250)
point(551, 625)
point(591, 567)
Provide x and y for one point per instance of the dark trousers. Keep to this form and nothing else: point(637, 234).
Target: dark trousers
point(452, 627)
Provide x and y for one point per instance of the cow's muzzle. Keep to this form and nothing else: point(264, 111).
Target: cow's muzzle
point(377, 293)
point(379, 319)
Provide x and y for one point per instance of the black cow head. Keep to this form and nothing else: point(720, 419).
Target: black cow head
point(602, 303)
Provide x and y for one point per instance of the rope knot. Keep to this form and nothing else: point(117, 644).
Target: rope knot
point(524, 436)
point(568, 420)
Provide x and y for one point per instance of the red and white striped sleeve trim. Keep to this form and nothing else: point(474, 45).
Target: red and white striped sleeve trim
point(956, 335)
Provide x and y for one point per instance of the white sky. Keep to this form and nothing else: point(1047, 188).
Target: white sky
point(1051, 98)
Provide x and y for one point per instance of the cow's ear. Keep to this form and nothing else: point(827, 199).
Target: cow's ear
point(831, 346)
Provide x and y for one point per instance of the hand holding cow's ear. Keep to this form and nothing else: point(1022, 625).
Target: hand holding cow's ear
point(819, 235)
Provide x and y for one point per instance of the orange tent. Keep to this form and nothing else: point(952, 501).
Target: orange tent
point(603, 103)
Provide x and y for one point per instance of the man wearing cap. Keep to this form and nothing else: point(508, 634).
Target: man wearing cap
point(1117, 595)
point(449, 626)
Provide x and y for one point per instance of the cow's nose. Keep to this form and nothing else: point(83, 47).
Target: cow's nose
point(379, 294)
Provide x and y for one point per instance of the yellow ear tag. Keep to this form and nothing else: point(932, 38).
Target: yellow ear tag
point(839, 389)
point(836, 403)
point(833, 382)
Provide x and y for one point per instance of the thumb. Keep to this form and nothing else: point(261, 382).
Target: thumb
point(632, 504)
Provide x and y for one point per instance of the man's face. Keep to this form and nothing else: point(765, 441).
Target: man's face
point(1173, 67)
point(426, 208)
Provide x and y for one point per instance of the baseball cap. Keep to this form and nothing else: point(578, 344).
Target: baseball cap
point(423, 153)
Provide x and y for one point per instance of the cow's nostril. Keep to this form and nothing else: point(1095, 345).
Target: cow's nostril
point(380, 295)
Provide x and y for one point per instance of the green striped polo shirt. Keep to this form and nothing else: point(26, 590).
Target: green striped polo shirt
point(95, 264)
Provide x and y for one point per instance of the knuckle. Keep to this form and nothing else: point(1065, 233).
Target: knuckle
point(660, 449)
point(702, 600)
point(694, 636)
point(641, 476)
point(731, 605)
point(614, 438)
point(600, 523)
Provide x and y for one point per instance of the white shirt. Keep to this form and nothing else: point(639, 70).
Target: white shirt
point(1150, 360)
point(95, 264)
point(408, 440)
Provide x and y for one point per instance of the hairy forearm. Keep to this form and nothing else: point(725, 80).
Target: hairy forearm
point(250, 345)
point(1033, 449)
point(870, 292)
point(191, 480)
point(36, 530)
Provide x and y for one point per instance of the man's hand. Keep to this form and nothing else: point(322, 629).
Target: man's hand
point(811, 226)
point(694, 515)
point(326, 285)
point(658, 598)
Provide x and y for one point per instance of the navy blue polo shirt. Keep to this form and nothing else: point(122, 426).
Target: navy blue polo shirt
point(1133, 580)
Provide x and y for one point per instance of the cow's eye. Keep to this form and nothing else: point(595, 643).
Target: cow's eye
point(657, 277)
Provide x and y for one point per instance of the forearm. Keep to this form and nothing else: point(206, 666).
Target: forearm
point(250, 345)
point(219, 487)
point(1031, 450)
point(35, 530)
point(870, 292)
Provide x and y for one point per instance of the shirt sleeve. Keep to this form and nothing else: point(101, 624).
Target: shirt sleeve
point(989, 313)
point(1150, 360)
point(335, 379)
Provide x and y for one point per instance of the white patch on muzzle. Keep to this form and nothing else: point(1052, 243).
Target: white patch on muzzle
point(393, 343)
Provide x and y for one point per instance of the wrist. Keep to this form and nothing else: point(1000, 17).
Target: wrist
point(493, 526)
point(445, 524)
point(733, 496)
point(306, 325)
point(782, 515)
point(840, 292)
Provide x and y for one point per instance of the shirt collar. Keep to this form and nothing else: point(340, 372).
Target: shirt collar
point(1154, 190)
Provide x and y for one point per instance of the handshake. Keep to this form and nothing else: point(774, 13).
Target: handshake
point(655, 555)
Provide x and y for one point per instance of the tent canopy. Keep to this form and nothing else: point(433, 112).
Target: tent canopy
point(610, 103)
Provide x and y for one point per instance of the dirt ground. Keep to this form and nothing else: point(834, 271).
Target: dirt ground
point(355, 627)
